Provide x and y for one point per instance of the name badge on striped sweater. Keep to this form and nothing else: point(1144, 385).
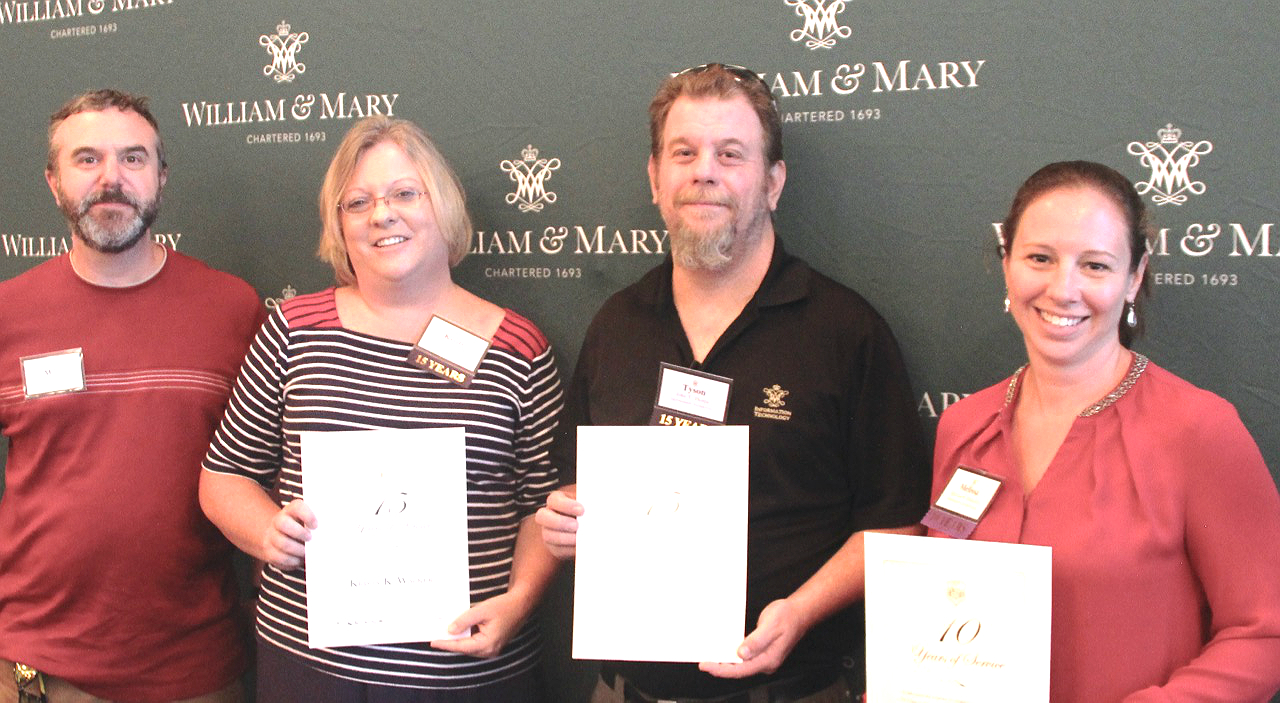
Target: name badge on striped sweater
point(449, 351)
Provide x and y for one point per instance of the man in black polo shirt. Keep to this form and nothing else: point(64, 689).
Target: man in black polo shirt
point(835, 443)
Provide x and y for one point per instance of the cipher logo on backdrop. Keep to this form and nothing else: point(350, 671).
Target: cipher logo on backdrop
point(1170, 159)
point(530, 174)
point(283, 47)
point(530, 197)
point(822, 28)
point(833, 85)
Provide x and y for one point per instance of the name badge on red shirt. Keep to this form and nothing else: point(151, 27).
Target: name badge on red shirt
point(963, 502)
point(55, 372)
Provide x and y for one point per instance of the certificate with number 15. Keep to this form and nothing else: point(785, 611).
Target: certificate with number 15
point(388, 559)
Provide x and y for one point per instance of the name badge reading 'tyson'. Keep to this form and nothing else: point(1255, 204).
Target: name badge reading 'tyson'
point(449, 351)
point(52, 373)
point(687, 397)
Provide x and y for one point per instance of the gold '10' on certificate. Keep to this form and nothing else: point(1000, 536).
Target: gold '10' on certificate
point(953, 620)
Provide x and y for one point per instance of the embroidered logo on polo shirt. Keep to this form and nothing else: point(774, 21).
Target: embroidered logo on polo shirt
point(773, 399)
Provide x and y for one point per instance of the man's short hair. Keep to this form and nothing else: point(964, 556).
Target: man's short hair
point(715, 80)
point(447, 199)
point(96, 101)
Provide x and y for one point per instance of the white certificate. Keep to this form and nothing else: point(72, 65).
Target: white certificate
point(953, 620)
point(661, 569)
point(388, 560)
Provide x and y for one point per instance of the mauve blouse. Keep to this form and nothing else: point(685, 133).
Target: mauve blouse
point(1165, 529)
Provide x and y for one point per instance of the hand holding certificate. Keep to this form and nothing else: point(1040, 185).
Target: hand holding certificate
point(388, 562)
point(662, 547)
point(951, 620)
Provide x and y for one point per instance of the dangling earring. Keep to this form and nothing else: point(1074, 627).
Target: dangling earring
point(1131, 317)
point(1006, 303)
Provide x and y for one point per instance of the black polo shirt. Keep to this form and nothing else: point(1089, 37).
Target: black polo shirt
point(836, 444)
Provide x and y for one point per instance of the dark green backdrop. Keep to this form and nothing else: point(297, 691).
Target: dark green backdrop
point(909, 125)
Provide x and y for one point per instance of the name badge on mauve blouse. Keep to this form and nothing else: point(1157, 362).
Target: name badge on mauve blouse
point(963, 502)
point(687, 397)
point(449, 351)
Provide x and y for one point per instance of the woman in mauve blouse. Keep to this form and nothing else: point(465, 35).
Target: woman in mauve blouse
point(1162, 516)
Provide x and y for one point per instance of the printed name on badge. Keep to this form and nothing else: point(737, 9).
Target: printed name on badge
point(449, 351)
point(688, 397)
point(54, 372)
point(963, 502)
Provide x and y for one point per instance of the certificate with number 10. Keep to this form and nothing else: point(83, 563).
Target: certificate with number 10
point(953, 620)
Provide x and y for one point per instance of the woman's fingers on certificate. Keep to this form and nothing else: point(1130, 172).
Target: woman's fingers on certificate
point(492, 623)
point(559, 523)
point(289, 530)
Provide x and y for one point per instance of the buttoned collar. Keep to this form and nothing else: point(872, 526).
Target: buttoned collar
point(786, 281)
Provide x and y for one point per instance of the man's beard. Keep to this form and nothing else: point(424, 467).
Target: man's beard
point(713, 248)
point(112, 232)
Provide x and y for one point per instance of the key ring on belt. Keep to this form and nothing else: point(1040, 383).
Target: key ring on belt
point(24, 676)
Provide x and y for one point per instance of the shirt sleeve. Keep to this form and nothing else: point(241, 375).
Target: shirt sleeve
point(249, 441)
point(888, 459)
point(577, 413)
point(1233, 543)
point(541, 402)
